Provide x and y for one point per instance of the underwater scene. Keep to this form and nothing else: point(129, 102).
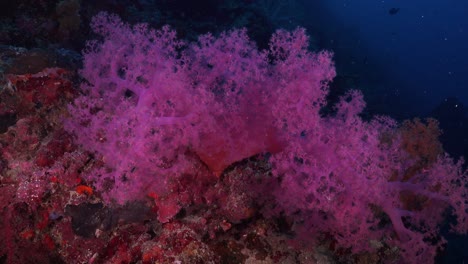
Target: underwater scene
point(232, 132)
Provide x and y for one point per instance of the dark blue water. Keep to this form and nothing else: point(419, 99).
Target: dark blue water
point(408, 55)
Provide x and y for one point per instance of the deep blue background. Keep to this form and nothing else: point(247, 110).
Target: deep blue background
point(407, 63)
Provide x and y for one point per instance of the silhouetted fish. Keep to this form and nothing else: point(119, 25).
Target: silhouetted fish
point(393, 11)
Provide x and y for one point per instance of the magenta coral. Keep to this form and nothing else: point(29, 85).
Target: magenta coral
point(145, 105)
point(157, 109)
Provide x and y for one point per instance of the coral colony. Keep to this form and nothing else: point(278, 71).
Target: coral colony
point(216, 152)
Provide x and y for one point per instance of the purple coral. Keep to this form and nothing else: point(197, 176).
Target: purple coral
point(152, 103)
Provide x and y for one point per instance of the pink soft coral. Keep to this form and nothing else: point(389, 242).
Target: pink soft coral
point(343, 176)
point(146, 105)
point(159, 110)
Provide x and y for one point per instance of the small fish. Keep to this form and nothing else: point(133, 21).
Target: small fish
point(393, 11)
